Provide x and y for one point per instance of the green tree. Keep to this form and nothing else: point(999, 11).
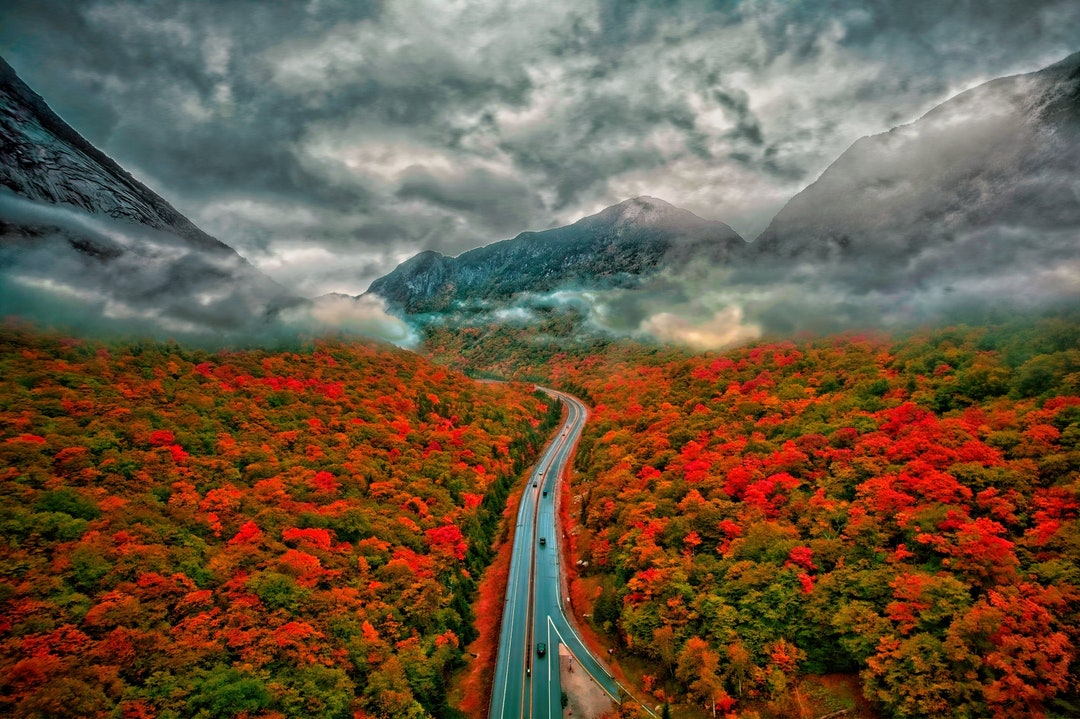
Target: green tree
point(225, 692)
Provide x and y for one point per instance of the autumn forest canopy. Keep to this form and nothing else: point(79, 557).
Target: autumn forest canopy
point(300, 533)
point(245, 533)
point(265, 461)
point(901, 508)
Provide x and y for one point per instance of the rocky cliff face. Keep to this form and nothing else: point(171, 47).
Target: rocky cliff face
point(83, 244)
point(616, 248)
point(43, 159)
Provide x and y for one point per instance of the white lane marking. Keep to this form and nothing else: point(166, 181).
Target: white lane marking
point(550, 703)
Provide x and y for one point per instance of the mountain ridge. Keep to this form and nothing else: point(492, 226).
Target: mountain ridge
point(614, 248)
point(87, 245)
point(67, 183)
point(956, 168)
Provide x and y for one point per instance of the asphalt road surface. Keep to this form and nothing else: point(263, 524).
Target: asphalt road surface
point(526, 684)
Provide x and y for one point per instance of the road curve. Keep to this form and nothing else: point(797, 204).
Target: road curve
point(527, 685)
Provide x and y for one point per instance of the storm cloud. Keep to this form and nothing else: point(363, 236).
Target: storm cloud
point(328, 141)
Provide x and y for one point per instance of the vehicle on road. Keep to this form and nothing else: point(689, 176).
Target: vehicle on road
point(545, 492)
point(543, 541)
point(534, 484)
point(541, 649)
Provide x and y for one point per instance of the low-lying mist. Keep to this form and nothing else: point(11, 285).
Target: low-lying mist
point(93, 275)
point(723, 307)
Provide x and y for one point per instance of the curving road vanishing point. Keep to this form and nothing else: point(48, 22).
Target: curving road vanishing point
point(527, 684)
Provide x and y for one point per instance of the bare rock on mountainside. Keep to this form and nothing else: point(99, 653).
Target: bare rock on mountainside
point(85, 244)
point(43, 159)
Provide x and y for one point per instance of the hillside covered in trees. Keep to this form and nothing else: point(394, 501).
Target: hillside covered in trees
point(904, 509)
point(258, 534)
point(289, 534)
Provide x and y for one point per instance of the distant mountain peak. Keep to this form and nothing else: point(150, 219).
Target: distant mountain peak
point(425, 257)
point(646, 211)
point(619, 246)
point(644, 204)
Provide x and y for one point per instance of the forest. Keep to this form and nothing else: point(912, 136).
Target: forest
point(901, 508)
point(248, 533)
point(269, 534)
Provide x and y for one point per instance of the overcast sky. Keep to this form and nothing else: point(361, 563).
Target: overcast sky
point(329, 140)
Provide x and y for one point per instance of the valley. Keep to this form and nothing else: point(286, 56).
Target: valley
point(830, 471)
point(752, 519)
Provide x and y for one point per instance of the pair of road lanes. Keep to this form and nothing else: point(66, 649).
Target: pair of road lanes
point(526, 684)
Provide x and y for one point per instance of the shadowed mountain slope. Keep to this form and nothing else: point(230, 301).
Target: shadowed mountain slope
point(616, 248)
point(986, 183)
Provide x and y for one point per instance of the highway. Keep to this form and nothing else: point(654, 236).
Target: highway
point(527, 685)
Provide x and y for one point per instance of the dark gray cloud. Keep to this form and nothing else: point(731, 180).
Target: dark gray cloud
point(125, 272)
point(498, 200)
point(349, 135)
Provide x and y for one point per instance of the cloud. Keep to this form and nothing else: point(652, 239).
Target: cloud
point(127, 272)
point(87, 273)
point(976, 276)
point(495, 117)
point(496, 200)
point(724, 329)
point(365, 316)
point(964, 206)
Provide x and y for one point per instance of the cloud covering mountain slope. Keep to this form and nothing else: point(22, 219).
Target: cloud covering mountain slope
point(980, 196)
point(973, 208)
point(85, 245)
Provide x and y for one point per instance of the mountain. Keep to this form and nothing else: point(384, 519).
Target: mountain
point(972, 209)
point(984, 185)
point(619, 248)
point(42, 158)
point(82, 241)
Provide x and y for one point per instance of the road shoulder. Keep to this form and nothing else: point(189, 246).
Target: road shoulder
point(586, 698)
